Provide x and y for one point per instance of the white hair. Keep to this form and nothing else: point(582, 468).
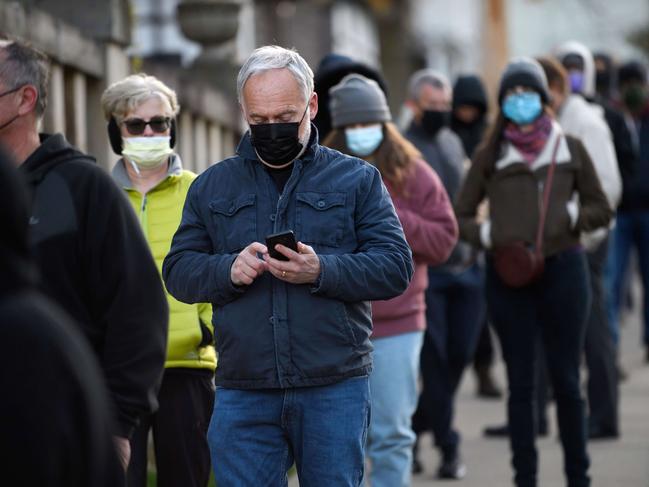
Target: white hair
point(428, 77)
point(275, 57)
point(126, 95)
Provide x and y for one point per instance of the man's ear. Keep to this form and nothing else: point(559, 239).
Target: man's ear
point(413, 107)
point(28, 99)
point(313, 105)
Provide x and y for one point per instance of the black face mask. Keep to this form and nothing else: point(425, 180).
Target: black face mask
point(277, 143)
point(433, 120)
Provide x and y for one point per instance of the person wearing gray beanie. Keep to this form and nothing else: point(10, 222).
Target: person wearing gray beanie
point(357, 99)
point(363, 127)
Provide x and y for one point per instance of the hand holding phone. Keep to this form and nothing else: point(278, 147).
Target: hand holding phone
point(287, 239)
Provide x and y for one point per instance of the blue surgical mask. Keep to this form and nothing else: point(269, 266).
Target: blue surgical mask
point(523, 108)
point(364, 141)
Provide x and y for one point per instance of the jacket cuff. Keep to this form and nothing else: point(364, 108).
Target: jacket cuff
point(124, 428)
point(328, 278)
point(224, 288)
point(573, 212)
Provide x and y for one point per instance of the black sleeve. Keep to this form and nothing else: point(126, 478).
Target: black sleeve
point(58, 427)
point(128, 300)
point(622, 140)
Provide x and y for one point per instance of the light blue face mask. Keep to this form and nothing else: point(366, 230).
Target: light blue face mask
point(364, 141)
point(523, 108)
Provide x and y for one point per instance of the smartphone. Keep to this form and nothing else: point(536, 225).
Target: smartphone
point(287, 239)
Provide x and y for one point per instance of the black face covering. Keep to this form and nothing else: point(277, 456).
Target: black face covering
point(433, 120)
point(277, 143)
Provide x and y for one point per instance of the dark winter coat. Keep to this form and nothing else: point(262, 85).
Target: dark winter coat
point(96, 264)
point(273, 334)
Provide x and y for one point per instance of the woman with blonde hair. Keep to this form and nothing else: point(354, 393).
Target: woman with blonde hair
point(362, 127)
point(141, 112)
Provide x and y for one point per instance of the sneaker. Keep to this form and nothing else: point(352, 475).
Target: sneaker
point(451, 468)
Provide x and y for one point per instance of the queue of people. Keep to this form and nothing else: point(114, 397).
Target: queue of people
point(398, 255)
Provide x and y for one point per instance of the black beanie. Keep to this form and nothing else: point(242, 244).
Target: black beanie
point(524, 71)
point(632, 71)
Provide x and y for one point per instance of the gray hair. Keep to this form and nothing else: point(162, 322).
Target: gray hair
point(275, 57)
point(428, 77)
point(20, 65)
point(126, 95)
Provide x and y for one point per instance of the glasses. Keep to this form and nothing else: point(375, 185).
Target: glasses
point(136, 126)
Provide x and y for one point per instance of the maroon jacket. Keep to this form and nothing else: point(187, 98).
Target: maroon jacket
point(431, 230)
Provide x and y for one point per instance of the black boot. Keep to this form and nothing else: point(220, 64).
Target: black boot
point(487, 386)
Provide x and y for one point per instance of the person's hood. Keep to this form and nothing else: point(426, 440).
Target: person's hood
point(605, 83)
point(54, 150)
point(469, 90)
point(17, 267)
point(332, 69)
point(574, 47)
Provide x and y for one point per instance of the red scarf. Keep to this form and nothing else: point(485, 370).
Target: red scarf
point(530, 144)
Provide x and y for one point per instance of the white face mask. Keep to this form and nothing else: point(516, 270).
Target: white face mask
point(147, 152)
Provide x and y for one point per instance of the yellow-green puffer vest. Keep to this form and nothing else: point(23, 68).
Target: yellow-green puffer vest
point(190, 343)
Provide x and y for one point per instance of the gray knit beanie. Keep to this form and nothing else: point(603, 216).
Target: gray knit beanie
point(357, 99)
point(524, 71)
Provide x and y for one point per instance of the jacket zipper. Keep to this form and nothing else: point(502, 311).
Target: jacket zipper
point(143, 218)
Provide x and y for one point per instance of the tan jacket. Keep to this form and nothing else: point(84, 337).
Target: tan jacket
point(514, 191)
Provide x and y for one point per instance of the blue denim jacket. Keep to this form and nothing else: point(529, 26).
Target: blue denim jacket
point(273, 334)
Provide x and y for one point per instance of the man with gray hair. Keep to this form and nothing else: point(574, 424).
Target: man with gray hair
point(455, 304)
point(91, 254)
point(292, 320)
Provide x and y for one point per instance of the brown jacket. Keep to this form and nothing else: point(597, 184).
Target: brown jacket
point(514, 191)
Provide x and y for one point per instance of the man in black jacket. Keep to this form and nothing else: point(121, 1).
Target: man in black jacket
point(90, 250)
point(54, 399)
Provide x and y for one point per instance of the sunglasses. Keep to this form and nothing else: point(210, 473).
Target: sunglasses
point(136, 126)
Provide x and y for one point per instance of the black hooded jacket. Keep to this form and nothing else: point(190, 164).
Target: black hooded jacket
point(96, 264)
point(57, 423)
point(469, 90)
point(332, 69)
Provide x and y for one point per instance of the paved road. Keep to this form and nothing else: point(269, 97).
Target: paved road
point(620, 463)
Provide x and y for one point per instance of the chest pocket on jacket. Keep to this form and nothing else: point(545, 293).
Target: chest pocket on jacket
point(320, 218)
point(235, 221)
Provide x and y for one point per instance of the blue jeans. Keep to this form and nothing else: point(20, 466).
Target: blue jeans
point(631, 231)
point(256, 435)
point(393, 384)
point(555, 310)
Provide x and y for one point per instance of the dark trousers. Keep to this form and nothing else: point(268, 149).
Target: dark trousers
point(179, 432)
point(484, 352)
point(554, 309)
point(601, 351)
point(455, 308)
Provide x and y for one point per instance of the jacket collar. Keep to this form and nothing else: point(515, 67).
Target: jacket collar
point(247, 151)
point(121, 176)
point(513, 156)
